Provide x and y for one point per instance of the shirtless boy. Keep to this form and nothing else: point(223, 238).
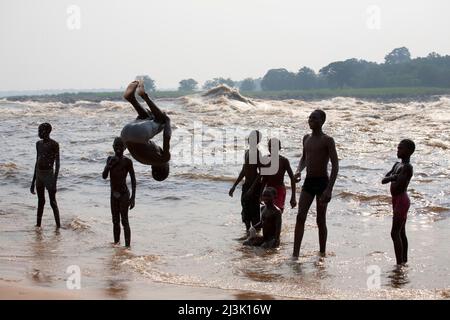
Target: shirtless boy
point(44, 177)
point(318, 150)
point(250, 195)
point(399, 177)
point(118, 167)
point(270, 223)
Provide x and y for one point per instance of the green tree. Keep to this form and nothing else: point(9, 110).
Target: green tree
point(187, 85)
point(306, 78)
point(398, 55)
point(149, 83)
point(278, 79)
point(209, 84)
point(248, 84)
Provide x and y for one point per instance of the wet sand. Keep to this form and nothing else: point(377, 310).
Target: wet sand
point(11, 290)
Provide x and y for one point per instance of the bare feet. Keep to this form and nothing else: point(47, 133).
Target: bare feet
point(141, 90)
point(129, 92)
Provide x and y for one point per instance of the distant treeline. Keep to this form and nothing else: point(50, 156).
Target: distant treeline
point(398, 70)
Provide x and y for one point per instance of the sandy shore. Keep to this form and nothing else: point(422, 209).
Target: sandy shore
point(10, 290)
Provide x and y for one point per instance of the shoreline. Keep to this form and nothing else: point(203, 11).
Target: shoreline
point(16, 290)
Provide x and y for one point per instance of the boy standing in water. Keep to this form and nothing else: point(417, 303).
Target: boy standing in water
point(399, 177)
point(276, 181)
point(318, 150)
point(119, 167)
point(270, 223)
point(44, 178)
point(250, 171)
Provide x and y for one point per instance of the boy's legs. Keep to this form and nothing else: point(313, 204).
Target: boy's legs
point(40, 190)
point(124, 203)
point(157, 113)
point(304, 204)
point(115, 212)
point(321, 220)
point(131, 98)
point(404, 243)
point(54, 205)
point(397, 225)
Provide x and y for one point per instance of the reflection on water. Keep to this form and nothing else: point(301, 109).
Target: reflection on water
point(117, 275)
point(399, 277)
point(44, 250)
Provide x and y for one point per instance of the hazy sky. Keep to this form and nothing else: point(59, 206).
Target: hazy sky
point(42, 48)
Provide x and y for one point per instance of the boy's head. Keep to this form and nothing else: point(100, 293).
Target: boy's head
point(317, 119)
point(405, 148)
point(160, 172)
point(119, 146)
point(269, 195)
point(44, 130)
point(275, 142)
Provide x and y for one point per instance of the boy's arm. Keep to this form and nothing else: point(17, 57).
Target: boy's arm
point(133, 184)
point(291, 176)
point(278, 227)
point(326, 196)
point(302, 162)
point(239, 179)
point(33, 181)
point(263, 185)
point(167, 135)
point(57, 163)
point(107, 168)
point(389, 177)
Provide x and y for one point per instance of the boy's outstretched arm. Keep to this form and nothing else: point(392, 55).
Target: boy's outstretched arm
point(33, 181)
point(239, 179)
point(326, 196)
point(107, 168)
point(133, 185)
point(291, 176)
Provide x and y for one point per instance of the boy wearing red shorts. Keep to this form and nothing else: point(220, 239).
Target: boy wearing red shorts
point(399, 177)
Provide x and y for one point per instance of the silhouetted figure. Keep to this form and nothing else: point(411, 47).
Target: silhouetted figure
point(276, 180)
point(270, 223)
point(118, 167)
point(399, 177)
point(137, 134)
point(318, 150)
point(250, 196)
point(44, 177)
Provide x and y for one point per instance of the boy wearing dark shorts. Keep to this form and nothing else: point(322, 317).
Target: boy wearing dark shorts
point(318, 150)
point(251, 187)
